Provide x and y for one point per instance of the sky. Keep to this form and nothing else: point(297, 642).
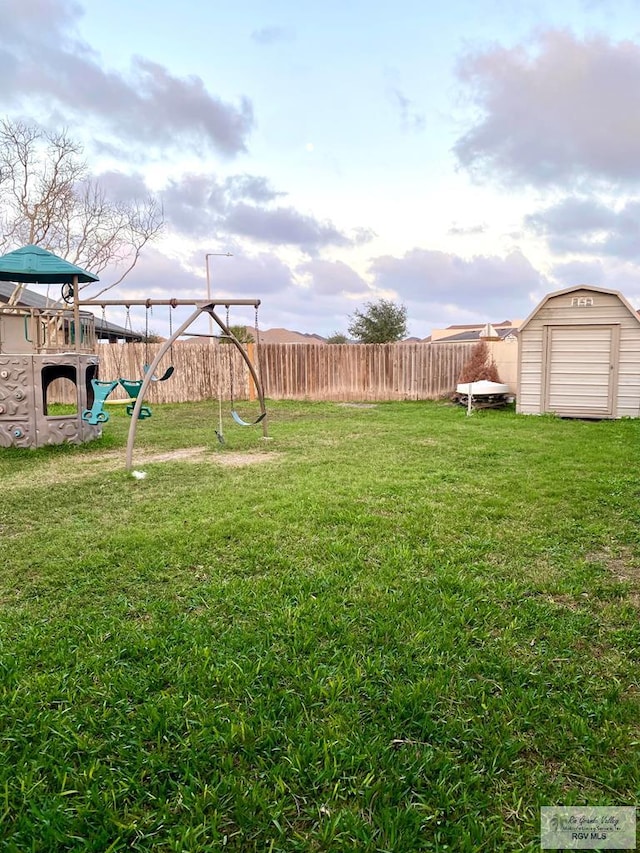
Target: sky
point(460, 159)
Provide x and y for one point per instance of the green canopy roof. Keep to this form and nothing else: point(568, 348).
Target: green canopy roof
point(32, 264)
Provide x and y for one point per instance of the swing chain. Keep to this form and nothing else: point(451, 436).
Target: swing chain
point(230, 353)
point(146, 335)
point(258, 348)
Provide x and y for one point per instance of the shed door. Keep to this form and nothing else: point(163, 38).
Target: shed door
point(581, 369)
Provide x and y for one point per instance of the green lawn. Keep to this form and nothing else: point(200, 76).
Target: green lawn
point(389, 628)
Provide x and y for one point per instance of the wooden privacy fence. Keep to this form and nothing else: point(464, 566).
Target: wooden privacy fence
point(330, 372)
point(361, 371)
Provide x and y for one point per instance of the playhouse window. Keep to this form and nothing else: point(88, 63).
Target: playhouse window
point(59, 385)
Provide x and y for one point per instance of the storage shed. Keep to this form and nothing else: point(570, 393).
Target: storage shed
point(579, 356)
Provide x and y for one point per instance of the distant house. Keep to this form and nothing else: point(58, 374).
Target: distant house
point(502, 340)
point(22, 297)
point(466, 334)
point(286, 336)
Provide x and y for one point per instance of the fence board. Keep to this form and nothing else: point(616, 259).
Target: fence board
point(329, 372)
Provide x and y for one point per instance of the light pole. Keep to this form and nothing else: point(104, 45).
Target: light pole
point(206, 263)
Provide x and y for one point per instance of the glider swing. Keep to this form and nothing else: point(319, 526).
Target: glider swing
point(103, 388)
point(134, 386)
point(234, 414)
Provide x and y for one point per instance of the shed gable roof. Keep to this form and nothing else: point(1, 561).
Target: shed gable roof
point(589, 287)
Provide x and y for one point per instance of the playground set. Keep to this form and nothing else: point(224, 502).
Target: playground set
point(39, 345)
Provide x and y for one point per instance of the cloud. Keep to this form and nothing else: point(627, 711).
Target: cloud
point(612, 273)
point(194, 203)
point(333, 278)
point(282, 226)
point(319, 296)
point(561, 110)
point(485, 284)
point(44, 61)
point(287, 301)
point(272, 35)
point(579, 272)
point(243, 276)
point(252, 187)
point(587, 226)
point(410, 118)
point(248, 276)
point(122, 187)
point(240, 276)
point(466, 231)
point(201, 204)
point(360, 236)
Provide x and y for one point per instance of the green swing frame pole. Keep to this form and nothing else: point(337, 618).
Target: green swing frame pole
point(201, 307)
point(252, 370)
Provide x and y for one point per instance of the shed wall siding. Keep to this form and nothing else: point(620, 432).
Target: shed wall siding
point(607, 310)
point(530, 378)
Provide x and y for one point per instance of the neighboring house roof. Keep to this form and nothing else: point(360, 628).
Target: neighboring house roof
point(31, 299)
point(286, 336)
point(478, 325)
point(28, 298)
point(473, 334)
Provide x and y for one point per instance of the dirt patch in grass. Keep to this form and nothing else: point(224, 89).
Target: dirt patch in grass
point(200, 454)
point(238, 459)
point(358, 405)
point(634, 600)
point(75, 468)
point(623, 565)
point(567, 601)
point(187, 454)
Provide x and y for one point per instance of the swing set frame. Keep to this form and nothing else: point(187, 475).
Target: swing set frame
point(199, 307)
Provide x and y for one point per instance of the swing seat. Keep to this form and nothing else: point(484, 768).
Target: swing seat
point(168, 372)
point(132, 387)
point(145, 411)
point(240, 422)
point(94, 418)
point(101, 390)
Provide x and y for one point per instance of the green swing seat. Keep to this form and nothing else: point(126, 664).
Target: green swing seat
point(132, 387)
point(101, 390)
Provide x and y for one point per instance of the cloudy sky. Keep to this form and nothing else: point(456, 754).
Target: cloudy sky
point(461, 158)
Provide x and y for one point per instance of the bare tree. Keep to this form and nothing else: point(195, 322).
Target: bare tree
point(49, 199)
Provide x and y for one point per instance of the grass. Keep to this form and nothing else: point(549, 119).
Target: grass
point(403, 630)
